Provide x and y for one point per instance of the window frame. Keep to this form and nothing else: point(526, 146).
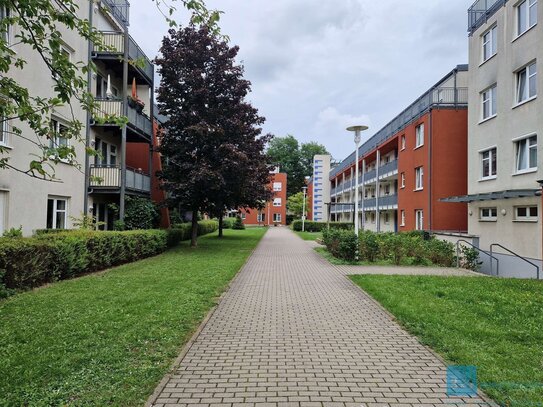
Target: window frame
point(526, 140)
point(492, 41)
point(7, 35)
point(4, 131)
point(492, 163)
point(492, 101)
point(402, 142)
point(419, 136)
point(277, 218)
point(419, 220)
point(490, 216)
point(525, 70)
point(402, 180)
point(528, 217)
point(419, 178)
point(529, 4)
point(402, 217)
point(56, 211)
point(277, 202)
point(277, 186)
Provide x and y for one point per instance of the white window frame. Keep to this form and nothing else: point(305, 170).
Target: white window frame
point(402, 217)
point(488, 214)
point(492, 163)
point(529, 147)
point(57, 211)
point(277, 218)
point(523, 90)
point(6, 13)
point(4, 208)
point(419, 135)
point(68, 51)
point(111, 151)
point(528, 217)
point(261, 217)
point(4, 132)
point(419, 178)
point(489, 43)
point(530, 9)
point(419, 219)
point(277, 186)
point(489, 97)
point(402, 180)
point(277, 202)
point(402, 142)
point(243, 216)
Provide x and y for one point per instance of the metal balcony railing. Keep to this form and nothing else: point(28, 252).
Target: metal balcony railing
point(108, 108)
point(120, 9)
point(109, 176)
point(370, 175)
point(388, 168)
point(481, 11)
point(388, 200)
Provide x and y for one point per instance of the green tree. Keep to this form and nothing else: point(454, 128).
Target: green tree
point(41, 25)
point(295, 204)
point(294, 159)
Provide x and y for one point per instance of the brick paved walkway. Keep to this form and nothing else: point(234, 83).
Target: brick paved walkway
point(294, 331)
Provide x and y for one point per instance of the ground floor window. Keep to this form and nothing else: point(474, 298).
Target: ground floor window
point(402, 218)
point(387, 218)
point(526, 213)
point(105, 216)
point(277, 217)
point(243, 215)
point(419, 219)
point(261, 217)
point(57, 213)
point(488, 214)
point(3, 211)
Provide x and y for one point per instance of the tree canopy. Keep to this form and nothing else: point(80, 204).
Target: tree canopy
point(294, 159)
point(295, 205)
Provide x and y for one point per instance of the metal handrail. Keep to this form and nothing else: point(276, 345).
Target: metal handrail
point(516, 255)
point(480, 251)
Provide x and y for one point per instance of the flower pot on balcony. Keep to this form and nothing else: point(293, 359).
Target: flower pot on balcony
point(136, 104)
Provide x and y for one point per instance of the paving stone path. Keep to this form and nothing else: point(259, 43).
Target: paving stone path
point(292, 330)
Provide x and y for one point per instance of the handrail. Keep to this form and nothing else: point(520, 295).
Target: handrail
point(516, 255)
point(480, 251)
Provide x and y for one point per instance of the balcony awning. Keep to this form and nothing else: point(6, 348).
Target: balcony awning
point(492, 196)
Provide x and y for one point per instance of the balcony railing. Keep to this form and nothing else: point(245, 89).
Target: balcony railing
point(113, 43)
point(109, 176)
point(108, 108)
point(388, 168)
point(388, 200)
point(369, 176)
point(120, 10)
point(481, 11)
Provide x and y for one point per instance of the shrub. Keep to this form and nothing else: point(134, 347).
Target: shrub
point(368, 246)
point(470, 259)
point(13, 233)
point(238, 225)
point(441, 252)
point(311, 226)
point(228, 223)
point(140, 213)
point(342, 244)
point(393, 246)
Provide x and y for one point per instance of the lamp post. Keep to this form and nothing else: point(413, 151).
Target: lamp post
point(357, 130)
point(303, 209)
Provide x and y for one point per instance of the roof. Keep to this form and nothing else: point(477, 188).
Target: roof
point(492, 196)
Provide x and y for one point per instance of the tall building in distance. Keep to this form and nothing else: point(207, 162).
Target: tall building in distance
point(505, 126)
point(319, 192)
point(409, 165)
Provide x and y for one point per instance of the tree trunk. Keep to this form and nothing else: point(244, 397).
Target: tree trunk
point(221, 225)
point(194, 236)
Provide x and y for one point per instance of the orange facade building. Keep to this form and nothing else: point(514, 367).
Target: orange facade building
point(275, 211)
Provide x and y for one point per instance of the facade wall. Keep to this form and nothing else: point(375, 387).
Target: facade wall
point(270, 212)
point(25, 199)
point(511, 122)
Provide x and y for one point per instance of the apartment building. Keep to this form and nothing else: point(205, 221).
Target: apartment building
point(505, 126)
point(122, 85)
point(417, 159)
point(29, 202)
point(319, 188)
point(275, 210)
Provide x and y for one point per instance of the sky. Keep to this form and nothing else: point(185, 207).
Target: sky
point(318, 66)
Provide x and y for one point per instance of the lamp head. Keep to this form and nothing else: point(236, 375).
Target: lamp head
point(357, 130)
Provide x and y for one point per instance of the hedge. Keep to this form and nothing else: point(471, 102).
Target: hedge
point(48, 257)
point(311, 226)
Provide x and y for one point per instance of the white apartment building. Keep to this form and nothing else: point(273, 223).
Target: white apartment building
point(321, 187)
point(506, 128)
point(101, 180)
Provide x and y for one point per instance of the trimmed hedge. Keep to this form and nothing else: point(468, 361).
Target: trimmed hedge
point(31, 262)
point(183, 231)
point(311, 226)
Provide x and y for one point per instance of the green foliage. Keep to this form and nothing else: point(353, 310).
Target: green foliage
point(343, 244)
point(13, 233)
point(140, 213)
point(470, 259)
point(183, 231)
point(295, 204)
point(238, 224)
point(369, 246)
point(311, 226)
point(86, 222)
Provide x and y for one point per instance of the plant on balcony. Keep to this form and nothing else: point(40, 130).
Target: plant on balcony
point(136, 103)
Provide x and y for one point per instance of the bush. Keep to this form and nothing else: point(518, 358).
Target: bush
point(228, 223)
point(369, 246)
point(141, 213)
point(342, 244)
point(311, 226)
point(183, 231)
point(238, 225)
point(13, 233)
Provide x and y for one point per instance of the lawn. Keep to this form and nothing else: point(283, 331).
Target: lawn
point(108, 338)
point(494, 324)
point(310, 235)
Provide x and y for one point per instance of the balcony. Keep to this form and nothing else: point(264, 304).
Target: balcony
point(388, 170)
point(113, 49)
point(120, 9)
point(139, 125)
point(385, 202)
point(481, 11)
point(108, 178)
point(370, 176)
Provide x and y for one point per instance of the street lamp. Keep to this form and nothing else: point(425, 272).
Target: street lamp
point(303, 209)
point(357, 130)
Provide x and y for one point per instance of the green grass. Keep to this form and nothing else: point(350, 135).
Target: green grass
point(310, 235)
point(108, 339)
point(494, 324)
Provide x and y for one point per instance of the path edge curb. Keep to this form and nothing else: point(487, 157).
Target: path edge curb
point(151, 400)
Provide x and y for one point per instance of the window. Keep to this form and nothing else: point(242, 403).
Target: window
point(243, 216)
point(489, 99)
point(489, 163)
point(387, 218)
point(419, 136)
point(107, 154)
point(402, 142)
point(488, 214)
point(4, 131)
point(276, 217)
point(387, 189)
point(526, 213)
point(6, 32)
point(3, 210)
point(277, 186)
point(419, 219)
point(57, 212)
point(402, 179)
point(58, 138)
point(64, 51)
point(526, 154)
point(402, 216)
point(526, 16)
point(261, 217)
point(527, 83)
point(419, 178)
point(277, 202)
point(490, 43)
point(373, 217)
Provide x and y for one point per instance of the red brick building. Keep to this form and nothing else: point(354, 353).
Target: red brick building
point(275, 211)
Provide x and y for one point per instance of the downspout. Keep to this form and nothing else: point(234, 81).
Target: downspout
point(152, 144)
point(87, 130)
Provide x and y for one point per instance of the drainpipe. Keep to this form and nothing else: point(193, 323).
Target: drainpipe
point(87, 129)
point(125, 113)
point(152, 144)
